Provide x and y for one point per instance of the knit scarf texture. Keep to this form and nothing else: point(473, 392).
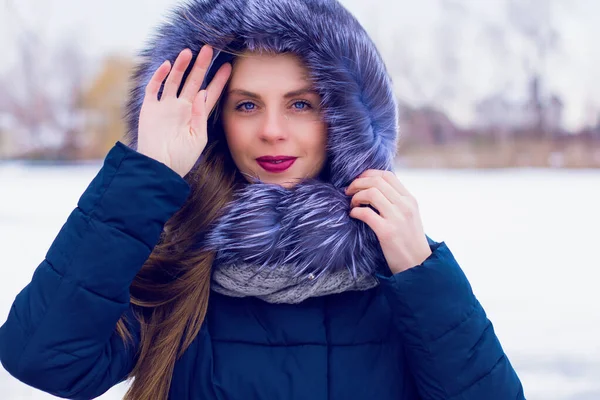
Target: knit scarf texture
point(277, 284)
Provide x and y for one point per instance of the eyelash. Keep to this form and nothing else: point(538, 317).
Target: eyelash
point(240, 106)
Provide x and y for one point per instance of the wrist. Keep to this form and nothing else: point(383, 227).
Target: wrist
point(160, 158)
point(415, 262)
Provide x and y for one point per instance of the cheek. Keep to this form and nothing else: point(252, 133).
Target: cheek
point(236, 133)
point(318, 142)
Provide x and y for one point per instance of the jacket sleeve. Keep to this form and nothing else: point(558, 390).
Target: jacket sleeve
point(450, 343)
point(60, 333)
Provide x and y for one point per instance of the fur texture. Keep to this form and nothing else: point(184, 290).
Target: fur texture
point(307, 226)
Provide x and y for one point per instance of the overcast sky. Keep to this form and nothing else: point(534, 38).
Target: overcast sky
point(406, 30)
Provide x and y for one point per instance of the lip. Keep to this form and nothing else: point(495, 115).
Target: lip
point(274, 158)
point(275, 164)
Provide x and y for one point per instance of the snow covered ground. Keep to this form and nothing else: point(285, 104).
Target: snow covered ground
point(527, 240)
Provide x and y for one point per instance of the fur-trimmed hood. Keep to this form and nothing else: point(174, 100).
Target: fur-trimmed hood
point(309, 224)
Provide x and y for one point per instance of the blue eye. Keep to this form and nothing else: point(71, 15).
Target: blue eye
point(245, 107)
point(304, 105)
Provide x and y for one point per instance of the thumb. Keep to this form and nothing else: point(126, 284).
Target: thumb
point(198, 121)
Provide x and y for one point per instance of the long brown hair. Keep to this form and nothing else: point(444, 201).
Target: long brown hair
point(169, 295)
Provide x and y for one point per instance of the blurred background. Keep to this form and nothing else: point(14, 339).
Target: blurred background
point(500, 143)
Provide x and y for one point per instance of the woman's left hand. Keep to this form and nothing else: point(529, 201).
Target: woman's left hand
point(398, 226)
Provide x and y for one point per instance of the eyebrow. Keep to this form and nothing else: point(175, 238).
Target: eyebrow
point(294, 93)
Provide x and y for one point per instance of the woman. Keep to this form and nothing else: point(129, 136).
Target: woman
point(264, 251)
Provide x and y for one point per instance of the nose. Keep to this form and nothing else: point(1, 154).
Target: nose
point(274, 127)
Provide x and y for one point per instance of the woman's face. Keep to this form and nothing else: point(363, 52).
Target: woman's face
point(272, 119)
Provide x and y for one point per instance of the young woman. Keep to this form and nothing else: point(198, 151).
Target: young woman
point(250, 241)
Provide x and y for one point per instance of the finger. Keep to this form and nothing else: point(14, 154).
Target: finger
point(368, 216)
point(374, 198)
point(153, 87)
point(384, 187)
point(197, 74)
point(199, 115)
point(390, 177)
point(174, 79)
point(216, 86)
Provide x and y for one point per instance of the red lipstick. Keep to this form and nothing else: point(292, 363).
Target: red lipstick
point(275, 164)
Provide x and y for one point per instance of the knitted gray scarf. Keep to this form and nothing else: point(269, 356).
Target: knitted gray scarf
point(277, 285)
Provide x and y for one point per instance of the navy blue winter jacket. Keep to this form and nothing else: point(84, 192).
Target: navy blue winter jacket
point(420, 334)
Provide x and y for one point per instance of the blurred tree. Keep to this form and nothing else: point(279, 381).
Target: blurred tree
point(43, 94)
point(532, 21)
point(103, 103)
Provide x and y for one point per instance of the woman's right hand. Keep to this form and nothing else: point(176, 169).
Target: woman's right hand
point(173, 130)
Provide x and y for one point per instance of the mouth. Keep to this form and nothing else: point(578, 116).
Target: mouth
point(275, 164)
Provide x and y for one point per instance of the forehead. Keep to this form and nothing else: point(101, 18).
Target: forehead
point(259, 69)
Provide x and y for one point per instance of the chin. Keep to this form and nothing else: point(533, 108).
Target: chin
point(286, 183)
point(286, 180)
